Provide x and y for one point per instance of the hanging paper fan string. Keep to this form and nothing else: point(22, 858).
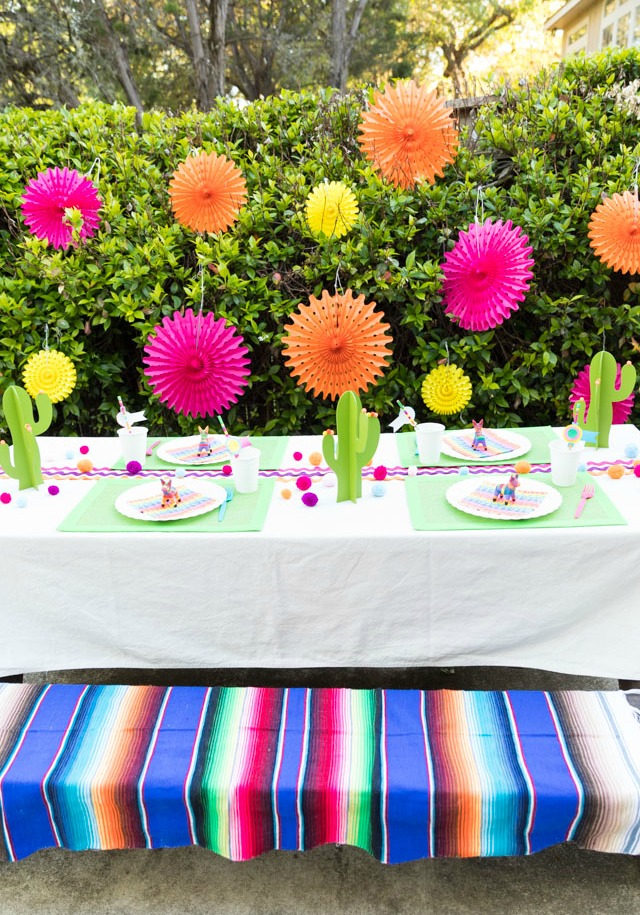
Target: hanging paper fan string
point(486, 274)
point(614, 232)
point(207, 192)
point(57, 200)
point(408, 134)
point(196, 380)
point(49, 372)
point(582, 389)
point(336, 344)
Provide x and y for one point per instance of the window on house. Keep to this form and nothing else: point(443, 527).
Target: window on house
point(620, 23)
point(636, 28)
point(622, 33)
point(607, 36)
point(609, 7)
point(577, 40)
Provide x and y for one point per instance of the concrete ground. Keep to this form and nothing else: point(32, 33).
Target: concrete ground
point(338, 880)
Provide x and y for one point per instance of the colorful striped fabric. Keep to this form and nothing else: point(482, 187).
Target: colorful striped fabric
point(401, 774)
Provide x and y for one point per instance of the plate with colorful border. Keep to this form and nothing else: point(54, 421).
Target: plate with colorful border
point(501, 446)
point(186, 451)
point(144, 502)
point(478, 496)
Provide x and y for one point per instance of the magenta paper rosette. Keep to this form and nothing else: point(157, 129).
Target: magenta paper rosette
point(196, 364)
point(582, 389)
point(47, 197)
point(486, 274)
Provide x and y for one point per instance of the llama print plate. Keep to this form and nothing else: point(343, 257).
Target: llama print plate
point(501, 446)
point(187, 451)
point(145, 502)
point(478, 496)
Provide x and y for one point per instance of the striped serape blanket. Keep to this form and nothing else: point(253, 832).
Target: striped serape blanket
point(401, 774)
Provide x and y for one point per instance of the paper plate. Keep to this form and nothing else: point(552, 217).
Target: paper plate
point(185, 451)
point(474, 496)
point(144, 503)
point(501, 446)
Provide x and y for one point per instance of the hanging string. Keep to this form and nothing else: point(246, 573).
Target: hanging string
point(603, 340)
point(95, 162)
point(479, 202)
point(337, 282)
point(46, 338)
point(201, 306)
point(446, 346)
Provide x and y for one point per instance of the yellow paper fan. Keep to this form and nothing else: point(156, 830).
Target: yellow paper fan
point(332, 209)
point(446, 390)
point(49, 372)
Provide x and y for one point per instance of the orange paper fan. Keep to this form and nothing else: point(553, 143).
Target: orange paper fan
point(408, 134)
point(207, 192)
point(336, 344)
point(614, 232)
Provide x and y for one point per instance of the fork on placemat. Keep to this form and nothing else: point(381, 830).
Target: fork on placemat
point(587, 493)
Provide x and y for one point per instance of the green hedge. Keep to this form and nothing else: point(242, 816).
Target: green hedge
point(544, 153)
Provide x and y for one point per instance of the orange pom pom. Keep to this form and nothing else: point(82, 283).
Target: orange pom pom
point(315, 459)
point(84, 465)
point(285, 493)
point(616, 471)
point(522, 467)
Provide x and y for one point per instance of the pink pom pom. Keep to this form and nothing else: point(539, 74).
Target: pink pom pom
point(134, 467)
point(5, 498)
point(53, 490)
point(227, 470)
point(297, 455)
point(84, 449)
point(310, 499)
point(380, 473)
point(303, 482)
point(636, 470)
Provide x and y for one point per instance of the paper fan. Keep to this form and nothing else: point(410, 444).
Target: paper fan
point(332, 209)
point(446, 390)
point(486, 274)
point(49, 372)
point(196, 364)
point(582, 389)
point(614, 232)
point(49, 202)
point(207, 191)
point(408, 134)
point(336, 344)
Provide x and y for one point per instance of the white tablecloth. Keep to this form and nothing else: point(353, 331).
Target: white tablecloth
point(335, 585)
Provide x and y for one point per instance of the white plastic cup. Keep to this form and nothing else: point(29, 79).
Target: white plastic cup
point(429, 441)
point(565, 460)
point(133, 444)
point(246, 469)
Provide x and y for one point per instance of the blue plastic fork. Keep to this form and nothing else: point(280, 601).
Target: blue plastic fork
point(223, 508)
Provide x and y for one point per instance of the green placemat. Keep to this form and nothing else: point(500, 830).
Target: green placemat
point(430, 511)
point(272, 448)
point(539, 436)
point(97, 513)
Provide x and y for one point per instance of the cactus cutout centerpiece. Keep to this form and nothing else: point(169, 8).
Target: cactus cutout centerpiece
point(603, 394)
point(353, 445)
point(18, 411)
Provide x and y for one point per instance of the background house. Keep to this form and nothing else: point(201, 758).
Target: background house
point(589, 25)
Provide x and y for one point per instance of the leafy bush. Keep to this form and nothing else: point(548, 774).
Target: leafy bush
point(543, 153)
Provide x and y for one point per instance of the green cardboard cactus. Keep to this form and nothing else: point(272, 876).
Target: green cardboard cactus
point(18, 411)
point(603, 394)
point(353, 445)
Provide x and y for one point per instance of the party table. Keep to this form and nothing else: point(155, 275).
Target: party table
point(384, 582)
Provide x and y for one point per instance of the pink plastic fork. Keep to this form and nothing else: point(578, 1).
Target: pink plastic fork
point(587, 493)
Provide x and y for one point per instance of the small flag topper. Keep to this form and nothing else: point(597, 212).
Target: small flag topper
point(574, 433)
point(406, 416)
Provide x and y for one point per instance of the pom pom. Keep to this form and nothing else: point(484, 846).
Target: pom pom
point(53, 490)
point(227, 470)
point(286, 493)
point(5, 498)
point(636, 470)
point(83, 449)
point(522, 467)
point(315, 459)
point(378, 490)
point(297, 455)
point(412, 471)
point(330, 480)
point(310, 499)
point(133, 467)
point(631, 452)
point(446, 390)
point(21, 501)
point(615, 471)
point(84, 465)
point(380, 473)
point(304, 482)
point(464, 471)
point(69, 454)
point(179, 472)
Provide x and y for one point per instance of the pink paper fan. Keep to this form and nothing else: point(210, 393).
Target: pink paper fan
point(486, 274)
point(196, 364)
point(46, 198)
point(582, 388)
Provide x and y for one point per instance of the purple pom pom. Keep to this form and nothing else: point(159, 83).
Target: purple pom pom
point(303, 482)
point(53, 490)
point(134, 467)
point(310, 499)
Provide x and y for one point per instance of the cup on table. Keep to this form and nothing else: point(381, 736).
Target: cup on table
point(429, 441)
point(133, 443)
point(246, 467)
point(565, 460)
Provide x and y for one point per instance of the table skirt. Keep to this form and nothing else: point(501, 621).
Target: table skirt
point(401, 774)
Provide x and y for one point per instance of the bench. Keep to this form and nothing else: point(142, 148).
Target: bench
point(403, 774)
